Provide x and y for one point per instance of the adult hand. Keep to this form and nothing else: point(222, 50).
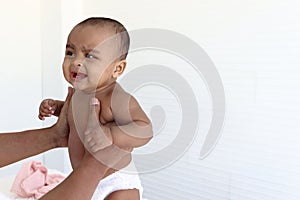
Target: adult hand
point(62, 127)
point(97, 136)
point(98, 141)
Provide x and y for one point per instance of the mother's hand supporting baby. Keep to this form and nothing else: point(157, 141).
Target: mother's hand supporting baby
point(97, 136)
point(98, 141)
point(62, 126)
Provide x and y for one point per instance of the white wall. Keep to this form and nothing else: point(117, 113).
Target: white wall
point(33, 42)
point(21, 81)
point(255, 47)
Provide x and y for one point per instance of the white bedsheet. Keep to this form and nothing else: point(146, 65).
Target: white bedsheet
point(5, 184)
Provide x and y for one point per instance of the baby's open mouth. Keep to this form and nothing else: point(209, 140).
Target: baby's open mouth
point(78, 76)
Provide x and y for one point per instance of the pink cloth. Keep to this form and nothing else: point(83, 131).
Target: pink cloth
point(34, 181)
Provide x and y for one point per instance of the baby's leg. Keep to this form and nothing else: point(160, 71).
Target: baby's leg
point(132, 194)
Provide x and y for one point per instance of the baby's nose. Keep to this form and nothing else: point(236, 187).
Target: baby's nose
point(78, 63)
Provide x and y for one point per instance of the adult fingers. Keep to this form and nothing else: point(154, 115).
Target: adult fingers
point(94, 111)
point(62, 119)
point(64, 109)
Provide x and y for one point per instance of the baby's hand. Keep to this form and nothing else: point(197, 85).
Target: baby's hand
point(47, 108)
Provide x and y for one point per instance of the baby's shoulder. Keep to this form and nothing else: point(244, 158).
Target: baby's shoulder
point(120, 92)
point(120, 97)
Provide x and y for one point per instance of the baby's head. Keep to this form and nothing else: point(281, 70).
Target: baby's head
point(96, 53)
point(111, 28)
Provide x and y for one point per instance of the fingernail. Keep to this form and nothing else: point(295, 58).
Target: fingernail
point(94, 101)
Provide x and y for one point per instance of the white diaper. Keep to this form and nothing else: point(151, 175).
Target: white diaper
point(117, 181)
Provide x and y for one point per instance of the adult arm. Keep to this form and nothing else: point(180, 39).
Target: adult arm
point(17, 146)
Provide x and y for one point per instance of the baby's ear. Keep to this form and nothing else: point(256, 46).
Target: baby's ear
point(119, 68)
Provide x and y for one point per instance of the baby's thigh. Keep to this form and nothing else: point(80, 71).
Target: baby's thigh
point(132, 194)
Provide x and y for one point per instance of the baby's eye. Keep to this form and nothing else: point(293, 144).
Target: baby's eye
point(69, 53)
point(90, 56)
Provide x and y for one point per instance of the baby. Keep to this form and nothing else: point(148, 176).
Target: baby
point(95, 57)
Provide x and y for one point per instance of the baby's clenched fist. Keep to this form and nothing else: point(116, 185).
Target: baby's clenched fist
point(47, 108)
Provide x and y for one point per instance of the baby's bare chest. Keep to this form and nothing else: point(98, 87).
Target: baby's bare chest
point(81, 113)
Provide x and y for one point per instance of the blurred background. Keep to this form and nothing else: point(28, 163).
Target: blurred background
point(255, 47)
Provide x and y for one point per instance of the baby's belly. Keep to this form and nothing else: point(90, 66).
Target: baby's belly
point(77, 151)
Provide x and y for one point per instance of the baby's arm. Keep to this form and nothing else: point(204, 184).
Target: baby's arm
point(132, 127)
point(49, 107)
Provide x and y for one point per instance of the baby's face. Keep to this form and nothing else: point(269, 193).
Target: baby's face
point(89, 62)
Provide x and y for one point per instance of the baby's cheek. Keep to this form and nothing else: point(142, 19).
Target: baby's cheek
point(67, 75)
